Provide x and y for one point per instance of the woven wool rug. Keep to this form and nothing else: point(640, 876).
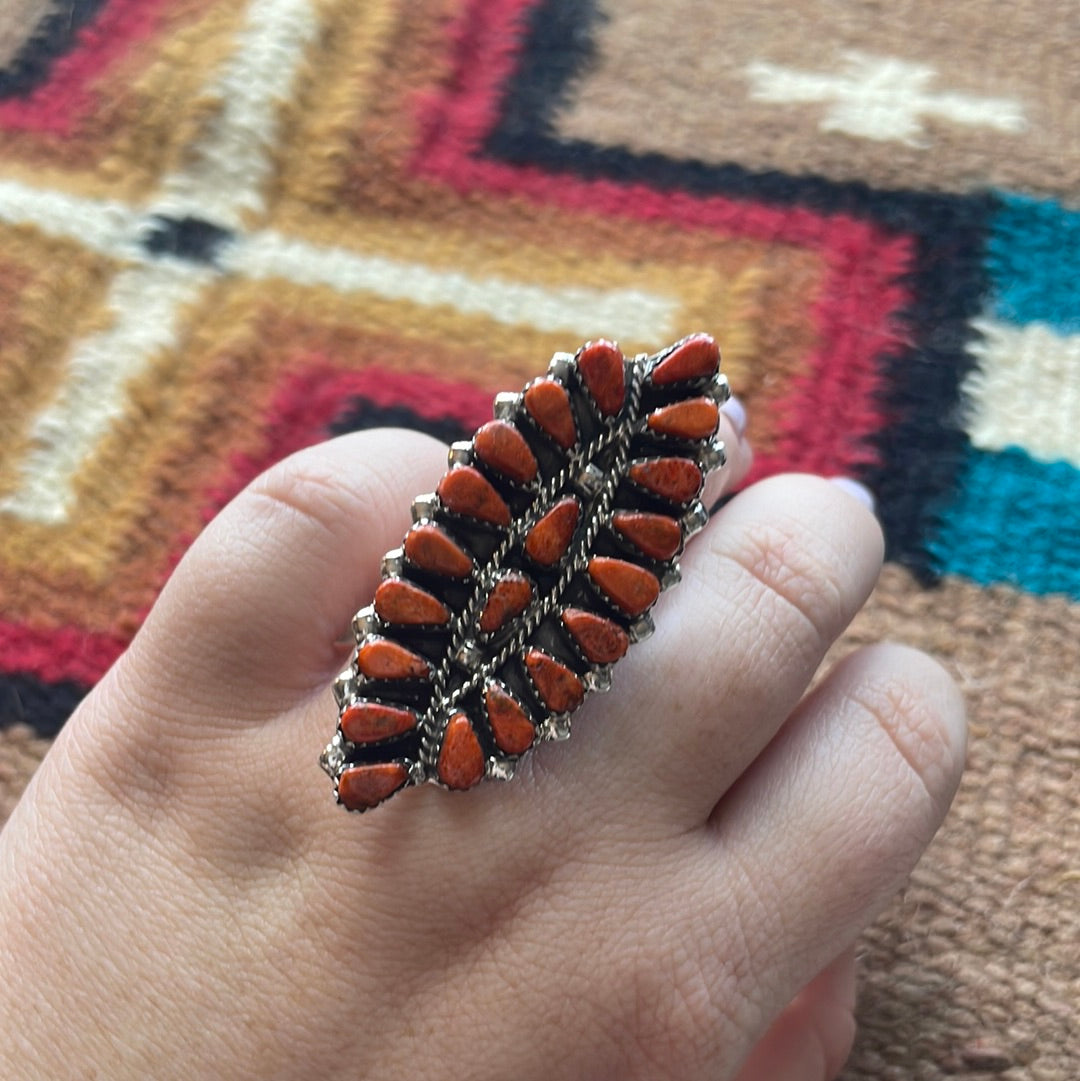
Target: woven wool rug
point(231, 230)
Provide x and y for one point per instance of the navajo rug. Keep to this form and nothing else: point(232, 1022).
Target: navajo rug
point(230, 230)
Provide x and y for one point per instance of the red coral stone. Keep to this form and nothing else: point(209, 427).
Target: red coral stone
point(511, 727)
point(551, 536)
point(509, 597)
point(398, 601)
point(379, 658)
point(657, 535)
point(601, 640)
point(677, 479)
point(430, 548)
point(549, 405)
point(559, 687)
point(631, 587)
point(698, 356)
point(501, 446)
point(694, 418)
point(370, 722)
point(461, 758)
point(362, 787)
point(466, 491)
point(601, 367)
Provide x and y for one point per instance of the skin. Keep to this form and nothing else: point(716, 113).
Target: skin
point(671, 894)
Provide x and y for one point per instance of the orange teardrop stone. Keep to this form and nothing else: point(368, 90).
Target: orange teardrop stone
point(466, 491)
point(362, 787)
point(431, 548)
point(629, 586)
point(694, 358)
point(461, 758)
point(500, 445)
point(675, 479)
point(601, 640)
point(512, 729)
point(370, 722)
point(379, 658)
point(694, 418)
point(559, 687)
point(549, 405)
point(398, 601)
point(601, 367)
point(550, 537)
point(509, 597)
point(657, 535)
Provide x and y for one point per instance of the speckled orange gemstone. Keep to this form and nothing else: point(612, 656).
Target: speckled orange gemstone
point(559, 687)
point(676, 479)
point(549, 405)
point(602, 641)
point(379, 658)
point(371, 722)
point(362, 787)
point(500, 445)
point(511, 727)
point(601, 367)
point(466, 491)
point(657, 535)
point(550, 537)
point(696, 357)
point(429, 547)
point(398, 601)
point(461, 758)
point(509, 597)
point(694, 418)
point(629, 586)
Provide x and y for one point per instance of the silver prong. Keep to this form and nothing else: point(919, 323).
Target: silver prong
point(345, 687)
point(460, 453)
point(671, 577)
point(469, 655)
point(500, 769)
point(695, 519)
point(719, 389)
point(506, 405)
point(598, 679)
point(560, 365)
point(333, 757)
point(365, 622)
point(393, 563)
point(555, 729)
point(642, 628)
point(423, 506)
point(590, 480)
point(713, 454)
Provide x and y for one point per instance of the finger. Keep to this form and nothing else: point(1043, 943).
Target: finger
point(826, 825)
point(766, 589)
point(249, 620)
point(812, 1038)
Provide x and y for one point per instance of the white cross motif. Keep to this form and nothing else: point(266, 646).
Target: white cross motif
point(882, 98)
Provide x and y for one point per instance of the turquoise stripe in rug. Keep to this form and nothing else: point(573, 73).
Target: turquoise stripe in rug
point(1014, 520)
point(1033, 256)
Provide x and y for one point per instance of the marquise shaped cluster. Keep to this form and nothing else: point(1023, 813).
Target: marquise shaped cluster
point(529, 571)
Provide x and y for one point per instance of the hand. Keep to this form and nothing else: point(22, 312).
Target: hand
point(673, 893)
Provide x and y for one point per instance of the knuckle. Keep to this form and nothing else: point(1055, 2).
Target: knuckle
point(786, 572)
point(910, 707)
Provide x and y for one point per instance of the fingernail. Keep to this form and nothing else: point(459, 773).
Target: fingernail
point(735, 411)
point(856, 491)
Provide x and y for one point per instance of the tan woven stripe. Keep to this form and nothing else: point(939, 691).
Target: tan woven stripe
point(674, 78)
point(979, 961)
point(18, 20)
point(20, 753)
